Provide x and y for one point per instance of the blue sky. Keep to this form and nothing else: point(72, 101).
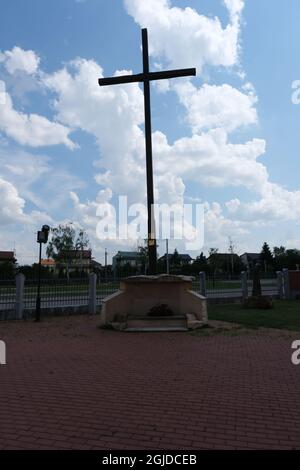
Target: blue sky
point(228, 138)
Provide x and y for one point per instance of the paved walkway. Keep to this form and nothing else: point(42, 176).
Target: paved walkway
point(69, 385)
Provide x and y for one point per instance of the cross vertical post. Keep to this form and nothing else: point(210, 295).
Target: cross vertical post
point(152, 250)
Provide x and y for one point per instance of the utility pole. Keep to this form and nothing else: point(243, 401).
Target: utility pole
point(42, 237)
point(105, 263)
point(167, 255)
point(231, 251)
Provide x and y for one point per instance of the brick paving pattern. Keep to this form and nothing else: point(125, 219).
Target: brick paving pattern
point(69, 385)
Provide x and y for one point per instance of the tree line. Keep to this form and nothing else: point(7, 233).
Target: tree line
point(66, 237)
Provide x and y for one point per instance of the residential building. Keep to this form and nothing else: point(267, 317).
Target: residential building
point(7, 257)
point(48, 263)
point(7, 264)
point(181, 259)
point(127, 258)
point(250, 259)
point(71, 261)
point(224, 263)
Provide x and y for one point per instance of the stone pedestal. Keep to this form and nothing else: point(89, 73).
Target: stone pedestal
point(293, 285)
point(155, 303)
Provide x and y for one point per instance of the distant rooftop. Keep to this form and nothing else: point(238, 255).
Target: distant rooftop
point(48, 262)
point(7, 256)
point(127, 254)
point(224, 255)
point(87, 254)
point(182, 256)
point(251, 255)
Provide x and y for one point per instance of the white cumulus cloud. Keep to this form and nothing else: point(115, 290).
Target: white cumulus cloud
point(113, 115)
point(19, 60)
point(185, 38)
point(211, 160)
point(235, 7)
point(212, 106)
point(13, 205)
point(32, 129)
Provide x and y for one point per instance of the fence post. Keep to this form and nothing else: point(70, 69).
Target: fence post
point(92, 293)
point(202, 279)
point(244, 281)
point(286, 283)
point(280, 284)
point(19, 303)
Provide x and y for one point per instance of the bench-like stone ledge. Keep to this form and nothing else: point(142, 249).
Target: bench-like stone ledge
point(137, 295)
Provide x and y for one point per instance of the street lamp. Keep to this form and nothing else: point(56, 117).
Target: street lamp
point(42, 237)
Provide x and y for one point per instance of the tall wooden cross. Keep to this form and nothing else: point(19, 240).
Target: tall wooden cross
point(146, 77)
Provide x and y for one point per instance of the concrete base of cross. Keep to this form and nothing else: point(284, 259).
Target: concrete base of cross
point(155, 303)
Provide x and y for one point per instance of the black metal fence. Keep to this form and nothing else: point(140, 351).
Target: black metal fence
point(223, 286)
point(57, 292)
point(7, 294)
point(76, 292)
point(269, 285)
point(220, 286)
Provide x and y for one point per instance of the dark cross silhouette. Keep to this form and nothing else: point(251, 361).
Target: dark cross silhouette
point(146, 77)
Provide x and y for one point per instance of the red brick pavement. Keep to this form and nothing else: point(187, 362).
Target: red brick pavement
point(70, 385)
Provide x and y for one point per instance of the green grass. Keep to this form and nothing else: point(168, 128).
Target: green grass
point(285, 315)
point(230, 285)
point(110, 287)
point(222, 285)
point(57, 289)
point(208, 331)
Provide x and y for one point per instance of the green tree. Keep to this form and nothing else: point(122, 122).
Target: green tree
point(64, 238)
point(31, 272)
point(7, 270)
point(82, 240)
point(280, 257)
point(266, 258)
point(175, 259)
point(200, 263)
point(213, 260)
point(143, 254)
point(284, 258)
point(214, 263)
point(279, 251)
point(292, 259)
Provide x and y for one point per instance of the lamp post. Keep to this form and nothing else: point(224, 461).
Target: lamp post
point(42, 237)
point(167, 255)
point(105, 264)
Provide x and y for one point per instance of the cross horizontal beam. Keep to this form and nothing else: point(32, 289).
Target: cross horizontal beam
point(145, 78)
point(141, 77)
